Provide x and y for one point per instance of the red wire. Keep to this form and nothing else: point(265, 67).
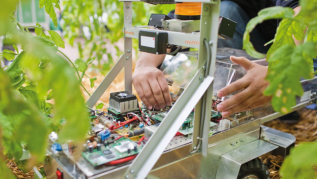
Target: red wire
point(118, 138)
point(178, 134)
point(120, 161)
point(142, 138)
point(124, 123)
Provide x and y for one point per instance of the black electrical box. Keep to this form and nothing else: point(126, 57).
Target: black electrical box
point(227, 27)
point(153, 42)
point(156, 20)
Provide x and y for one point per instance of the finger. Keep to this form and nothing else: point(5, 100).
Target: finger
point(244, 62)
point(244, 106)
point(164, 87)
point(235, 100)
point(157, 92)
point(235, 86)
point(148, 95)
point(251, 103)
point(140, 92)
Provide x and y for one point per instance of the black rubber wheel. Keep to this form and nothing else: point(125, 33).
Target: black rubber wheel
point(254, 169)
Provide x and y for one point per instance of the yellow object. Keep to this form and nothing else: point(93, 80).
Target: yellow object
point(188, 9)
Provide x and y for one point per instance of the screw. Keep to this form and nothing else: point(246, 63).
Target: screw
point(127, 176)
point(211, 42)
point(131, 171)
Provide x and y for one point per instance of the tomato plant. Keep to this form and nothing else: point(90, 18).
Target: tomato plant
point(288, 64)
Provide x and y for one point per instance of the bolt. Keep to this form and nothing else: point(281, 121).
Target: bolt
point(129, 51)
point(204, 67)
point(201, 78)
point(127, 57)
point(131, 171)
point(195, 148)
point(211, 42)
point(127, 176)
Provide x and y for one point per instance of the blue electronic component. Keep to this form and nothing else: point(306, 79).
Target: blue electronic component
point(56, 147)
point(105, 134)
point(141, 125)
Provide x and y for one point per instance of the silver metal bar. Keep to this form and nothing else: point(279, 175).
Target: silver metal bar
point(106, 82)
point(127, 7)
point(277, 114)
point(208, 47)
point(151, 152)
point(176, 38)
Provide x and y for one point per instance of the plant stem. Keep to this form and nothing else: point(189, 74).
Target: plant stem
point(77, 72)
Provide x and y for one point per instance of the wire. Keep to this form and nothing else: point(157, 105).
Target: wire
point(118, 138)
point(141, 139)
point(121, 161)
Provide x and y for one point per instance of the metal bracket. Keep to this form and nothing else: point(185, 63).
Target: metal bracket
point(151, 152)
point(106, 82)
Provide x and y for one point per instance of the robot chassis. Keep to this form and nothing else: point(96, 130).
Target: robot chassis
point(217, 156)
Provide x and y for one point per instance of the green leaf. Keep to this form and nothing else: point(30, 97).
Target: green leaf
point(57, 38)
point(81, 65)
point(100, 106)
point(301, 162)
point(49, 8)
point(92, 82)
point(4, 171)
point(283, 36)
point(8, 54)
point(288, 64)
point(269, 13)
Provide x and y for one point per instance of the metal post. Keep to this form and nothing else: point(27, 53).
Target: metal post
point(207, 58)
point(128, 47)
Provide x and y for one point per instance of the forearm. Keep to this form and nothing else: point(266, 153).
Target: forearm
point(148, 59)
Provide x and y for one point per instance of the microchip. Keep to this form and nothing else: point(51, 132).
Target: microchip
point(107, 152)
point(124, 147)
point(110, 156)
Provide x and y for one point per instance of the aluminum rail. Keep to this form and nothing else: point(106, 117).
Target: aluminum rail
point(154, 148)
point(106, 82)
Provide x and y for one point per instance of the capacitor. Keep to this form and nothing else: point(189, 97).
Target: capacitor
point(98, 147)
point(141, 125)
point(90, 148)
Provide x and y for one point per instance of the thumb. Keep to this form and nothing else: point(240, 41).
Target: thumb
point(245, 63)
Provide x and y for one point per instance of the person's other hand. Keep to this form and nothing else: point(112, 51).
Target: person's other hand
point(152, 87)
point(249, 89)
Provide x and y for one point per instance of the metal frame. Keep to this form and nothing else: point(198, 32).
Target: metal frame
point(197, 94)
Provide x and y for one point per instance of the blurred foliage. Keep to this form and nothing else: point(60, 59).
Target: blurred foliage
point(39, 90)
point(288, 64)
point(100, 22)
point(302, 162)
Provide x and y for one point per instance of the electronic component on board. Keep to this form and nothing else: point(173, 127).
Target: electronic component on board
point(121, 103)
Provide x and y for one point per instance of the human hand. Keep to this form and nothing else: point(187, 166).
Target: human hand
point(151, 86)
point(249, 89)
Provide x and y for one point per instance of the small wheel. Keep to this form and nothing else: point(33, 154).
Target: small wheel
point(254, 169)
